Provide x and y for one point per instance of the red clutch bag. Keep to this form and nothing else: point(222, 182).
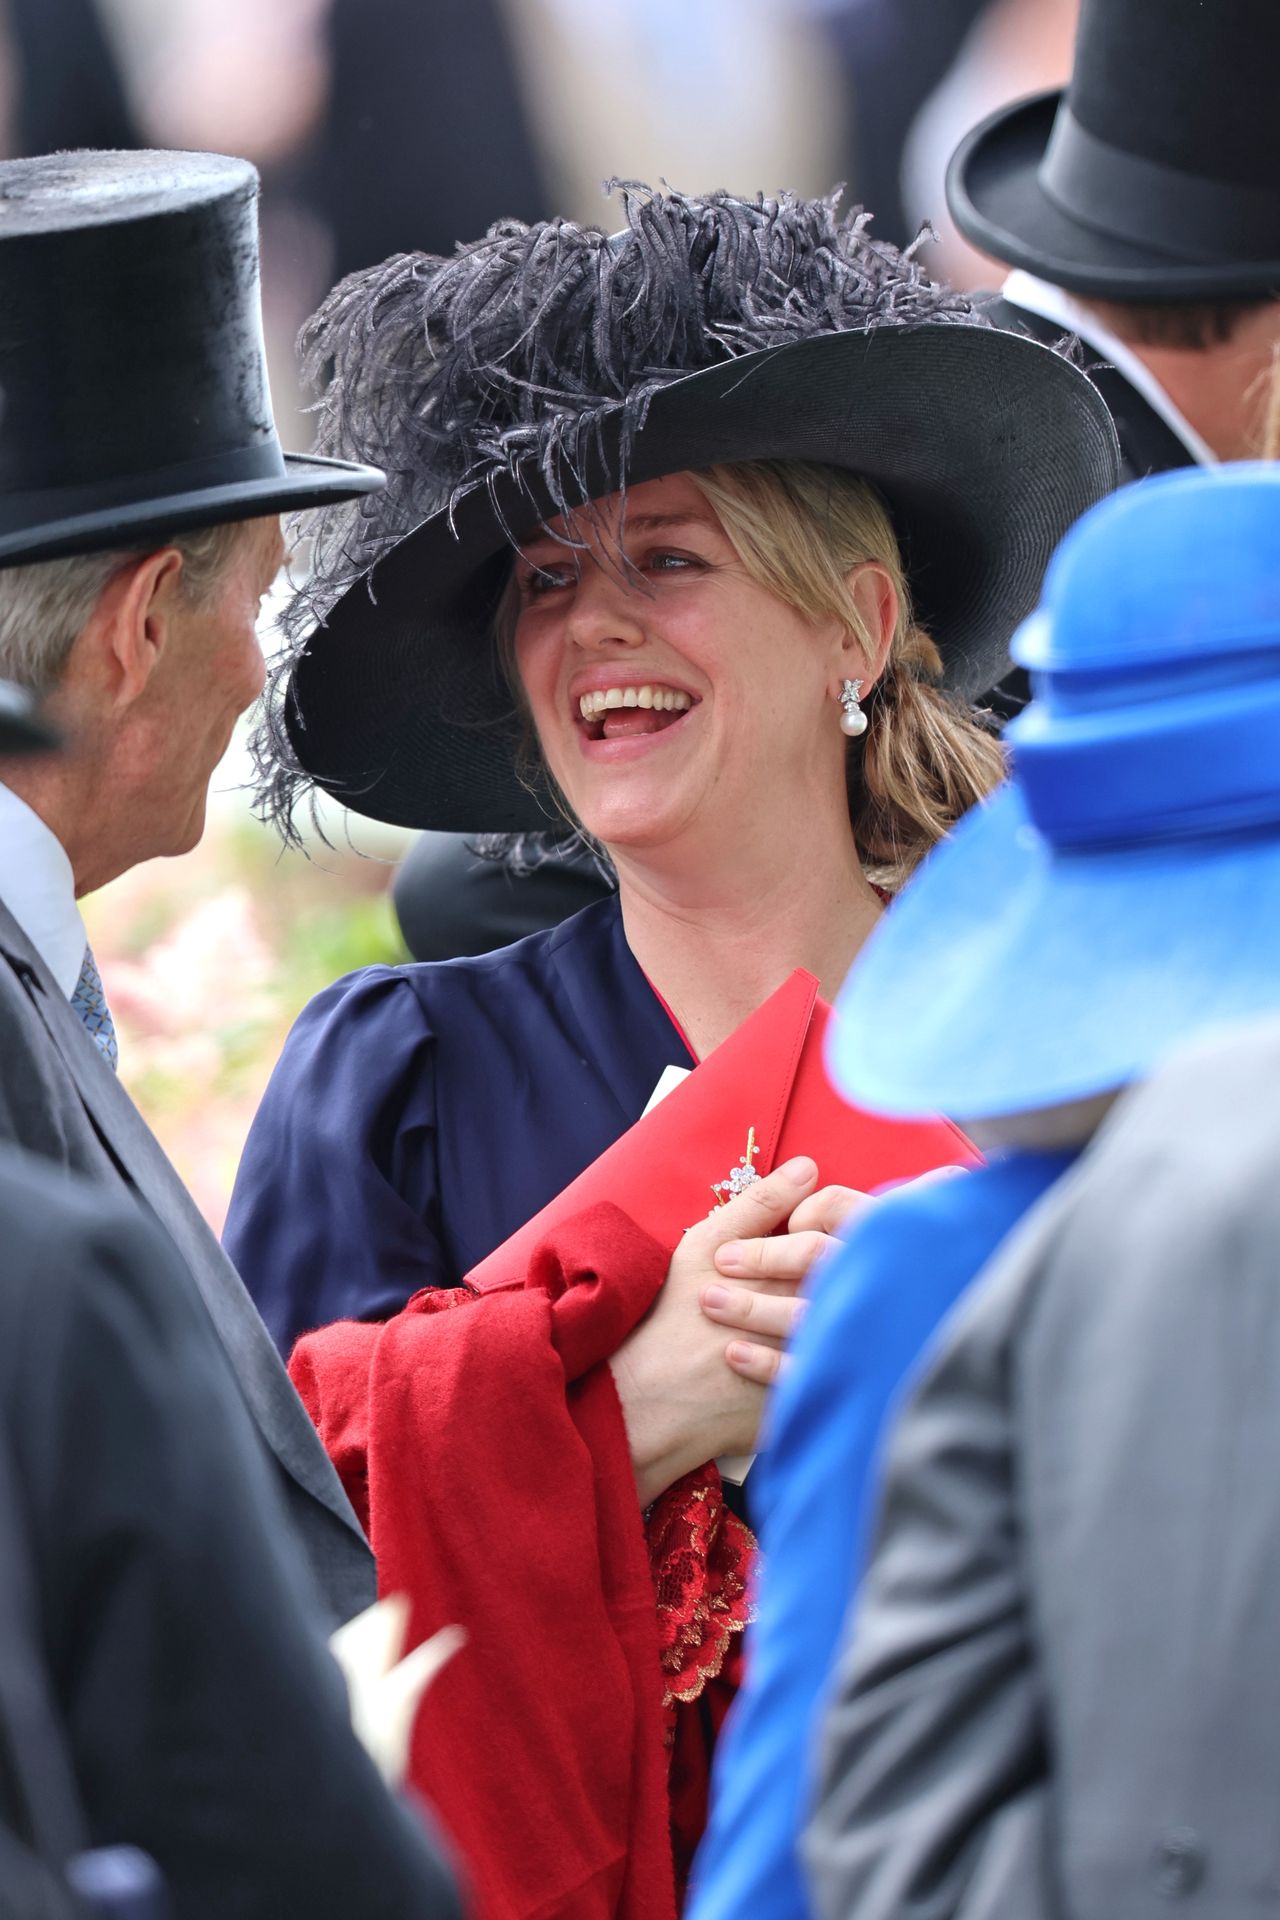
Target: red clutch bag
point(764, 1092)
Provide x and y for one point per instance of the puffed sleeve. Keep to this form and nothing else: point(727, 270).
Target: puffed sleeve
point(335, 1213)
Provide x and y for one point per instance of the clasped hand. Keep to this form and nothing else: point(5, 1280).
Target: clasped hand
point(687, 1394)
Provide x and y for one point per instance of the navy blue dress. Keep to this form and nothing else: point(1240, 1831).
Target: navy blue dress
point(419, 1115)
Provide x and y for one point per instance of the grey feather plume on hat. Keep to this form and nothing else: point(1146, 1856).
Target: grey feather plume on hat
point(507, 358)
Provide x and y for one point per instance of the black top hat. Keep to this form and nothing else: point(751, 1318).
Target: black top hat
point(548, 365)
point(1156, 176)
point(131, 356)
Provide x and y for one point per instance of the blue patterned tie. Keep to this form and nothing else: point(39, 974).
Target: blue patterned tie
point(90, 1002)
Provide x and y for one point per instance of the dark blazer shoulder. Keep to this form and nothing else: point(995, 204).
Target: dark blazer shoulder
point(205, 1719)
point(1148, 444)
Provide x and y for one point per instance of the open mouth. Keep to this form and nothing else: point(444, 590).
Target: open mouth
point(626, 713)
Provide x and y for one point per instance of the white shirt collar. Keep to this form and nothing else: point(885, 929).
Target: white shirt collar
point(39, 889)
point(1052, 303)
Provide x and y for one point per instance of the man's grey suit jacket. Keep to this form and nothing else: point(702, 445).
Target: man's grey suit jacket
point(60, 1099)
point(1061, 1690)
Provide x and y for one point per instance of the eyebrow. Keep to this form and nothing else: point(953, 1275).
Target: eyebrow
point(632, 523)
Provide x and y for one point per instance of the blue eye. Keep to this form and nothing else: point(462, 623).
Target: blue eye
point(540, 580)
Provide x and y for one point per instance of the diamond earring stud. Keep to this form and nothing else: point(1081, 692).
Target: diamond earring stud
point(853, 720)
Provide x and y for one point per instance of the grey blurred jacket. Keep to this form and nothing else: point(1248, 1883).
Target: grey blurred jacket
point(60, 1099)
point(1061, 1691)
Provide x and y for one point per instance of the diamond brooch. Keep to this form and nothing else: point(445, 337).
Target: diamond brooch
point(742, 1176)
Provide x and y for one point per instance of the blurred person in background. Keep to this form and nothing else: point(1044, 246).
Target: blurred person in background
point(1013, 48)
point(68, 89)
point(424, 138)
point(141, 481)
point(892, 54)
point(453, 897)
point(695, 95)
point(1140, 210)
point(1058, 1695)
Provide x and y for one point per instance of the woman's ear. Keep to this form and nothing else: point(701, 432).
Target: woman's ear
point(866, 643)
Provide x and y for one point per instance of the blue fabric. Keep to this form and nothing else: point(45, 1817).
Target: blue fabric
point(1122, 895)
point(419, 1115)
point(874, 1308)
point(1006, 977)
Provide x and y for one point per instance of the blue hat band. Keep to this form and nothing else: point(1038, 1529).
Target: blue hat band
point(1205, 766)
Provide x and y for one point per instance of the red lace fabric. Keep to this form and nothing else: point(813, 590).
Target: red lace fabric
point(701, 1557)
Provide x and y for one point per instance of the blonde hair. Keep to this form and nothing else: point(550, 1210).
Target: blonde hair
point(798, 529)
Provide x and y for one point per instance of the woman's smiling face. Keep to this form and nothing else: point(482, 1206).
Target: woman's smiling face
point(672, 696)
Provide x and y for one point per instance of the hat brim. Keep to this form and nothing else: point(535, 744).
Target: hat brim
point(995, 198)
point(1007, 978)
point(985, 446)
point(308, 480)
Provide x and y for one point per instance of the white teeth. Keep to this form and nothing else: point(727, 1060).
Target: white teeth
point(660, 699)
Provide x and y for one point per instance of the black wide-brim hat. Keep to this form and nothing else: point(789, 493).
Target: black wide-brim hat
point(132, 367)
point(1155, 176)
point(984, 446)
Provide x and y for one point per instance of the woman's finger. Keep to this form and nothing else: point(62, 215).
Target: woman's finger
point(827, 1210)
point(786, 1256)
point(772, 1315)
point(763, 1205)
point(759, 1364)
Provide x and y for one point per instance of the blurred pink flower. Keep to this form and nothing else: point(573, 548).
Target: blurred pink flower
point(210, 971)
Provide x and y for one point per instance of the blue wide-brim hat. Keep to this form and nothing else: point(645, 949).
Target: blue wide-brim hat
point(1122, 892)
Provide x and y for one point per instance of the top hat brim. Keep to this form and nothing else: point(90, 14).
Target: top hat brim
point(996, 199)
point(61, 525)
point(984, 445)
point(1005, 979)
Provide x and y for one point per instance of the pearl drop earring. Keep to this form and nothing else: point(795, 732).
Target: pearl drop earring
point(853, 720)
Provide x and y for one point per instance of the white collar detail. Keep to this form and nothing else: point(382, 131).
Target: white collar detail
point(39, 889)
point(1053, 303)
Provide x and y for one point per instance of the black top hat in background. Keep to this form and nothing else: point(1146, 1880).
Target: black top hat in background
point(1156, 175)
point(135, 388)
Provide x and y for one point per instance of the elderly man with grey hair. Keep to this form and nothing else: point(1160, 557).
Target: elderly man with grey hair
point(141, 482)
